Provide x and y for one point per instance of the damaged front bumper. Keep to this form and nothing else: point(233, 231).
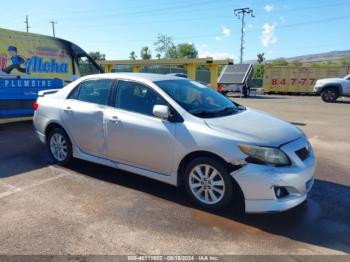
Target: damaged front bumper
point(274, 189)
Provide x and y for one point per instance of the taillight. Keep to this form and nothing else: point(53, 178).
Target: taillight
point(220, 87)
point(35, 105)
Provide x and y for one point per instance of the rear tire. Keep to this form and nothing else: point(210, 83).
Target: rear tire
point(246, 91)
point(329, 95)
point(208, 183)
point(60, 146)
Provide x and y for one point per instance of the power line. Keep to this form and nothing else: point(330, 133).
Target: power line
point(240, 13)
point(147, 12)
point(53, 27)
point(306, 23)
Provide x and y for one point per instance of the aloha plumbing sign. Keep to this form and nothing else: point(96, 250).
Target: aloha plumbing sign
point(37, 64)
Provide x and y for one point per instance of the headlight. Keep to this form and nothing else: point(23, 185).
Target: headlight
point(268, 155)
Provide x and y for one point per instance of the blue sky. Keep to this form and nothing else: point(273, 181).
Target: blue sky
point(281, 28)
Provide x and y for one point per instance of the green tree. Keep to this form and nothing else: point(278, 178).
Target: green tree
point(163, 44)
point(296, 63)
point(159, 56)
point(172, 53)
point(186, 50)
point(97, 55)
point(279, 62)
point(258, 71)
point(132, 55)
point(146, 53)
point(261, 58)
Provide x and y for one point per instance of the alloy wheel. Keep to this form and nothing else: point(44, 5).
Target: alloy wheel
point(329, 95)
point(58, 147)
point(207, 184)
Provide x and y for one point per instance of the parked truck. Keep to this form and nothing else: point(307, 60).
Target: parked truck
point(332, 88)
point(30, 63)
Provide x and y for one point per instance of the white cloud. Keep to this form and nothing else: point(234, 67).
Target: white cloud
point(216, 55)
point(268, 35)
point(226, 31)
point(204, 52)
point(217, 38)
point(269, 8)
point(250, 25)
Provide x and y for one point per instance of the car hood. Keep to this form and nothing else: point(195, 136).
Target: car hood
point(331, 80)
point(255, 127)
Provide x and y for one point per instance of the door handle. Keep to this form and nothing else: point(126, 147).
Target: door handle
point(68, 109)
point(114, 119)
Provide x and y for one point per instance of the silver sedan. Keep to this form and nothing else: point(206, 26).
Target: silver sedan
point(180, 132)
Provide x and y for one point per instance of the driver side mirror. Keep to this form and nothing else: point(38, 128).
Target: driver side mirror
point(161, 111)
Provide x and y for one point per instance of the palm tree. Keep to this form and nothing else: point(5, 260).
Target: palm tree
point(261, 58)
point(146, 53)
point(132, 55)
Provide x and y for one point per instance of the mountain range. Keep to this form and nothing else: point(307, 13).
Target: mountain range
point(333, 55)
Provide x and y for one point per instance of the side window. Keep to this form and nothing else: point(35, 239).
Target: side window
point(137, 98)
point(95, 91)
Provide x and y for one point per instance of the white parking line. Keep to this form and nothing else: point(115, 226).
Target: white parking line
point(7, 185)
point(14, 189)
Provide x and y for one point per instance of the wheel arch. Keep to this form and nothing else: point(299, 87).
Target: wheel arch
point(51, 126)
point(338, 87)
point(196, 154)
point(238, 193)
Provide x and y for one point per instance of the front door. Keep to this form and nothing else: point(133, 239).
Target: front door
point(136, 137)
point(346, 86)
point(83, 115)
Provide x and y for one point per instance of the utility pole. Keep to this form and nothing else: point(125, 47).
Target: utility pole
point(240, 13)
point(53, 27)
point(27, 23)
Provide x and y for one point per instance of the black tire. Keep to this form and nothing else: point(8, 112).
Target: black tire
point(246, 91)
point(329, 94)
point(227, 180)
point(61, 133)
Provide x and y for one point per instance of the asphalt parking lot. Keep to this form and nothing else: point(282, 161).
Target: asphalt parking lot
point(90, 209)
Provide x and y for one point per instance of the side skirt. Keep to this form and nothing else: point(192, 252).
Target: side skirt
point(168, 179)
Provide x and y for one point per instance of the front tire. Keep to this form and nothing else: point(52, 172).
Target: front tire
point(329, 95)
point(208, 183)
point(60, 146)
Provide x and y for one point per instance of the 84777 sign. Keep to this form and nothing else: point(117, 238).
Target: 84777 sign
point(294, 81)
point(286, 79)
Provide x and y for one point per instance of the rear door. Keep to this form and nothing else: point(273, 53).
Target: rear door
point(83, 115)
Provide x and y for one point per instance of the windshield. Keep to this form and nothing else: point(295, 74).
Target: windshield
point(198, 99)
point(86, 66)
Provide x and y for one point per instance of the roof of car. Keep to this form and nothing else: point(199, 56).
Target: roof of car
point(136, 76)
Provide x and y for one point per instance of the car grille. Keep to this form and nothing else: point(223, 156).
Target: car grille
point(303, 153)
